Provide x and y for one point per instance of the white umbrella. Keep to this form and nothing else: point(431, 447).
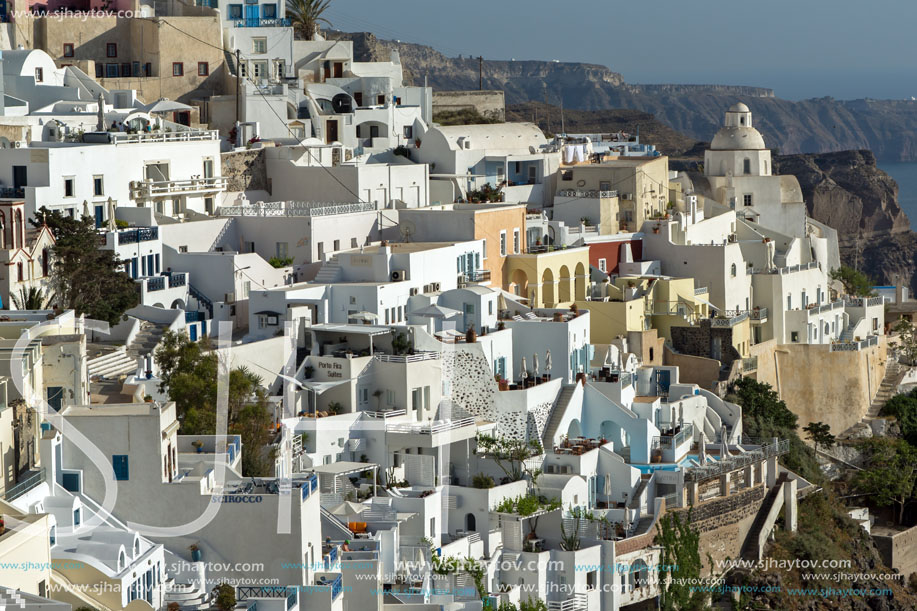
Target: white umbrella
point(86, 208)
point(524, 371)
point(100, 125)
point(547, 360)
point(111, 215)
point(535, 363)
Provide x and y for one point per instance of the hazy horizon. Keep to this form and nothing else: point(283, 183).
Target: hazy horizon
point(800, 50)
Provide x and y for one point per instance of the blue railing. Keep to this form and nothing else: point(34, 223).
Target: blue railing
point(292, 599)
point(156, 283)
point(202, 298)
point(12, 192)
point(141, 234)
point(309, 486)
point(178, 279)
point(256, 22)
point(24, 486)
point(192, 316)
point(336, 587)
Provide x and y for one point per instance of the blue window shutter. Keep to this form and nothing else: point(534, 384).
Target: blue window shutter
point(120, 465)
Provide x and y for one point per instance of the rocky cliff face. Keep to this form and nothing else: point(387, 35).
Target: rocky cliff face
point(887, 127)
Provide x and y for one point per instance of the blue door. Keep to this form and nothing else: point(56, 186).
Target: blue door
point(663, 380)
point(99, 216)
point(193, 331)
point(55, 397)
point(251, 15)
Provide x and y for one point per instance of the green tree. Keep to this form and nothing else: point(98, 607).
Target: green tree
point(533, 604)
point(680, 563)
point(86, 278)
point(33, 298)
point(890, 477)
point(855, 282)
point(189, 375)
point(510, 455)
point(224, 597)
point(759, 401)
point(907, 338)
point(819, 434)
point(306, 15)
point(904, 408)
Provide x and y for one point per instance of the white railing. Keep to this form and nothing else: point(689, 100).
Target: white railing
point(147, 189)
point(195, 135)
point(872, 340)
point(859, 302)
point(432, 428)
point(392, 413)
point(426, 355)
point(308, 209)
point(590, 194)
point(700, 290)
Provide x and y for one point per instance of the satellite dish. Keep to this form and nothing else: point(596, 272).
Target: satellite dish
point(407, 229)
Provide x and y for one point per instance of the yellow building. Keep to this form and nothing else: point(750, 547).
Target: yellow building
point(549, 278)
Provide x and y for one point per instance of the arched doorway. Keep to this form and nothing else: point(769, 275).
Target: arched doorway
point(470, 523)
point(563, 286)
point(547, 289)
point(519, 283)
point(580, 282)
point(574, 430)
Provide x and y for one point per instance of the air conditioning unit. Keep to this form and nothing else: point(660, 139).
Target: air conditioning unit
point(229, 298)
point(398, 275)
point(414, 291)
point(627, 196)
point(19, 144)
point(435, 286)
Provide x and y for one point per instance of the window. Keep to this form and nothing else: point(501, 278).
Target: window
point(566, 175)
point(502, 243)
point(789, 302)
point(490, 308)
point(68, 49)
point(746, 166)
point(97, 186)
point(203, 68)
point(178, 69)
point(516, 241)
point(484, 249)
point(39, 75)
point(111, 50)
point(337, 245)
point(794, 336)
point(120, 465)
point(20, 272)
point(364, 395)
point(389, 397)
point(126, 70)
point(259, 45)
point(111, 70)
point(604, 186)
point(68, 187)
point(353, 242)
point(732, 270)
point(408, 131)
point(235, 11)
point(259, 69)
point(148, 69)
point(321, 249)
point(282, 249)
point(243, 69)
point(100, 71)
point(746, 199)
point(603, 265)
point(269, 11)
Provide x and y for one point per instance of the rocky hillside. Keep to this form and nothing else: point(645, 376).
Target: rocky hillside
point(887, 127)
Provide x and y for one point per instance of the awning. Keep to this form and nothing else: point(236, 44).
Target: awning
point(705, 302)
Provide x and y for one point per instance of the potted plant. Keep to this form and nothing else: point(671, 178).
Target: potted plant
point(198, 445)
point(558, 317)
point(195, 553)
point(501, 326)
point(417, 142)
point(471, 335)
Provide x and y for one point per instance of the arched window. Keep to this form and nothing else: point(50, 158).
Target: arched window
point(732, 270)
point(470, 522)
point(741, 120)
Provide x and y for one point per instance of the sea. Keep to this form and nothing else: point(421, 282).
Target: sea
point(905, 174)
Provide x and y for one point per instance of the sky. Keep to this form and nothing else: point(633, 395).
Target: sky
point(845, 49)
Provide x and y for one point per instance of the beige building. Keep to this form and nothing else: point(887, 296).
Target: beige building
point(178, 58)
point(549, 279)
point(626, 191)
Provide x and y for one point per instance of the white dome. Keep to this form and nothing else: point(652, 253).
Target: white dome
point(739, 107)
point(741, 138)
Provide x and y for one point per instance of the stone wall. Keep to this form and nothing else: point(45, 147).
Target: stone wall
point(899, 551)
point(698, 341)
point(245, 170)
point(698, 370)
point(489, 104)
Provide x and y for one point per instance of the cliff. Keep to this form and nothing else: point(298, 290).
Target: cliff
point(887, 127)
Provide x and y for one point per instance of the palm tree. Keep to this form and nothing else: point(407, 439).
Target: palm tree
point(32, 299)
point(305, 15)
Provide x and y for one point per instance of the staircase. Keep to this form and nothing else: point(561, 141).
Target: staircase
point(634, 502)
point(202, 299)
point(220, 236)
point(847, 334)
point(750, 547)
point(894, 373)
point(146, 340)
point(112, 364)
point(329, 272)
point(557, 414)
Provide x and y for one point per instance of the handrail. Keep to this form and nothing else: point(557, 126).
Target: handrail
point(430, 429)
point(307, 209)
point(21, 487)
point(423, 355)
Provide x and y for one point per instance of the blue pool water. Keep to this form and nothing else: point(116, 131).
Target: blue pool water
point(684, 462)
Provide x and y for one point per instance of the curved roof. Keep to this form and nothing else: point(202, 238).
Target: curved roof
point(492, 136)
point(14, 60)
point(739, 107)
point(741, 137)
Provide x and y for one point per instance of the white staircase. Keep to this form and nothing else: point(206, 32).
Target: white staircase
point(557, 414)
point(847, 334)
point(329, 272)
point(112, 364)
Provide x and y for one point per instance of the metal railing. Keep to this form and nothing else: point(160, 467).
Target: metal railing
point(738, 461)
point(24, 485)
point(590, 193)
point(424, 355)
point(147, 189)
point(140, 234)
point(670, 442)
point(859, 302)
point(750, 363)
point(308, 209)
point(178, 279)
point(257, 22)
point(431, 428)
point(728, 318)
point(758, 314)
point(309, 486)
point(786, 270)
point(191, 135)
point(481, 275)
point(11, 192)
point(156, 283)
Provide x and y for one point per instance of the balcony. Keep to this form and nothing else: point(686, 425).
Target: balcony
point(872, 340)
point(433, 434)
point(150, 190)
point(156, 283)
point(729, 318)
point(701, 290)
point(276, 22)
point(466, 278)
point(589, 194)
point(28, 482)
point(140, 234)
point(177, 279)
point(308, 209)
point(12, 192)
point(417, 357)
point(673, 441)
point(758, 315)
point(309, 486)
point(187, 135)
